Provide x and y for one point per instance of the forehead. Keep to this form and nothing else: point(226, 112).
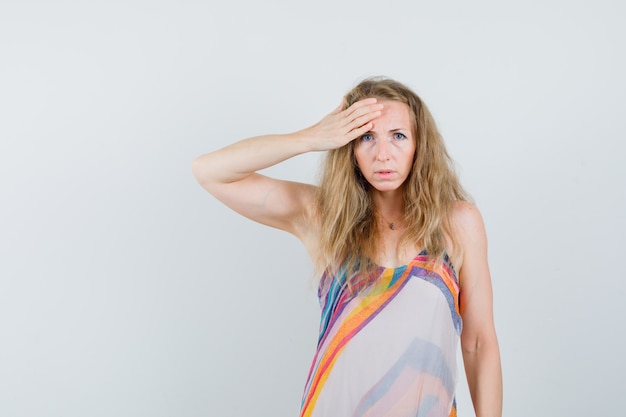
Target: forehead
point(394, 115)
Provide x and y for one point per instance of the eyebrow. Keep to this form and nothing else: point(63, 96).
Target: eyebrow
point(398, 129)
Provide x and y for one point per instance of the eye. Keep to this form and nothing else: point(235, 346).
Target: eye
point(399, 136)
point(367, 137)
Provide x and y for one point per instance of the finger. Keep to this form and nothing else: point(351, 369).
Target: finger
point(362, 111)
point(352, 114)
point(363, 116)
point(361, 103)
point(361, 130)
point(363, 120)
point(365, 102)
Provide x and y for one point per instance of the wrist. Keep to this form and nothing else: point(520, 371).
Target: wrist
point(306, 141)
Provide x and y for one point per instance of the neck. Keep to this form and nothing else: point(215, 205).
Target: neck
point(390, 208)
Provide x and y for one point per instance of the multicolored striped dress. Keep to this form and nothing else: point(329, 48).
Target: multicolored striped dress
point(389, 350)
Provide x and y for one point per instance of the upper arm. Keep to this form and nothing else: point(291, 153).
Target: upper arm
point(285, 205)
point(476, 300)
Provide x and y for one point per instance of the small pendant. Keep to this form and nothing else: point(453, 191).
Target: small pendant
point(392, 226)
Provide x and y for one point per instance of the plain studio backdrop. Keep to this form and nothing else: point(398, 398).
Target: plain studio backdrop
point(126, 290)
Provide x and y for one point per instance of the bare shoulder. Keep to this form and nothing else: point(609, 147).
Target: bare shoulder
point(470, 234)
point(466, 218)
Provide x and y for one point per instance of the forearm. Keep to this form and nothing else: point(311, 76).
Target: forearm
point(243, 158)
point(484, 378)
point(239, 160)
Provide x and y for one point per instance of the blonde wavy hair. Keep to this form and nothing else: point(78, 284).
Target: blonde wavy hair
point(348, 228)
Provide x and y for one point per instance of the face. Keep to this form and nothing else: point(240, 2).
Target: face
point(385, 153)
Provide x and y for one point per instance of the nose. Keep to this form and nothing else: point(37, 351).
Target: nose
point(382, 152)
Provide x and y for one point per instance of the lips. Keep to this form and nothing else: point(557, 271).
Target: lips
point(384, 173)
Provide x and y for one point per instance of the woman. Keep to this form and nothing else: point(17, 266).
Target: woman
point(402, 252)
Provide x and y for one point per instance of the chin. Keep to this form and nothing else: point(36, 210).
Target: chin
point(386, 188)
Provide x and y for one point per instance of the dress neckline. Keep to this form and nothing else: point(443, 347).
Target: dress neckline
point(395, 268)
point(402, 268)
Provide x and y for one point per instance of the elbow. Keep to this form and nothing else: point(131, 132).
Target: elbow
point(196, 168)
point(203, 169)
point(469, 348)
point(479, 343)
point(200, 172)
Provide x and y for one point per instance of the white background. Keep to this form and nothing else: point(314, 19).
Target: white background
point(126, 290)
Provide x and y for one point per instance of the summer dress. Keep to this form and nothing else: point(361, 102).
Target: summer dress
point(389, 350)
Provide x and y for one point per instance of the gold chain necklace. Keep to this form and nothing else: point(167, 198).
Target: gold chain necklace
point(392, 225)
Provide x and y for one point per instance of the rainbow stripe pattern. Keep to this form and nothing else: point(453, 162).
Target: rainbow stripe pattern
point(389, 350)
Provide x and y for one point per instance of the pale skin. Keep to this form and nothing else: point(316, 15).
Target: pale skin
point(384, 152)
